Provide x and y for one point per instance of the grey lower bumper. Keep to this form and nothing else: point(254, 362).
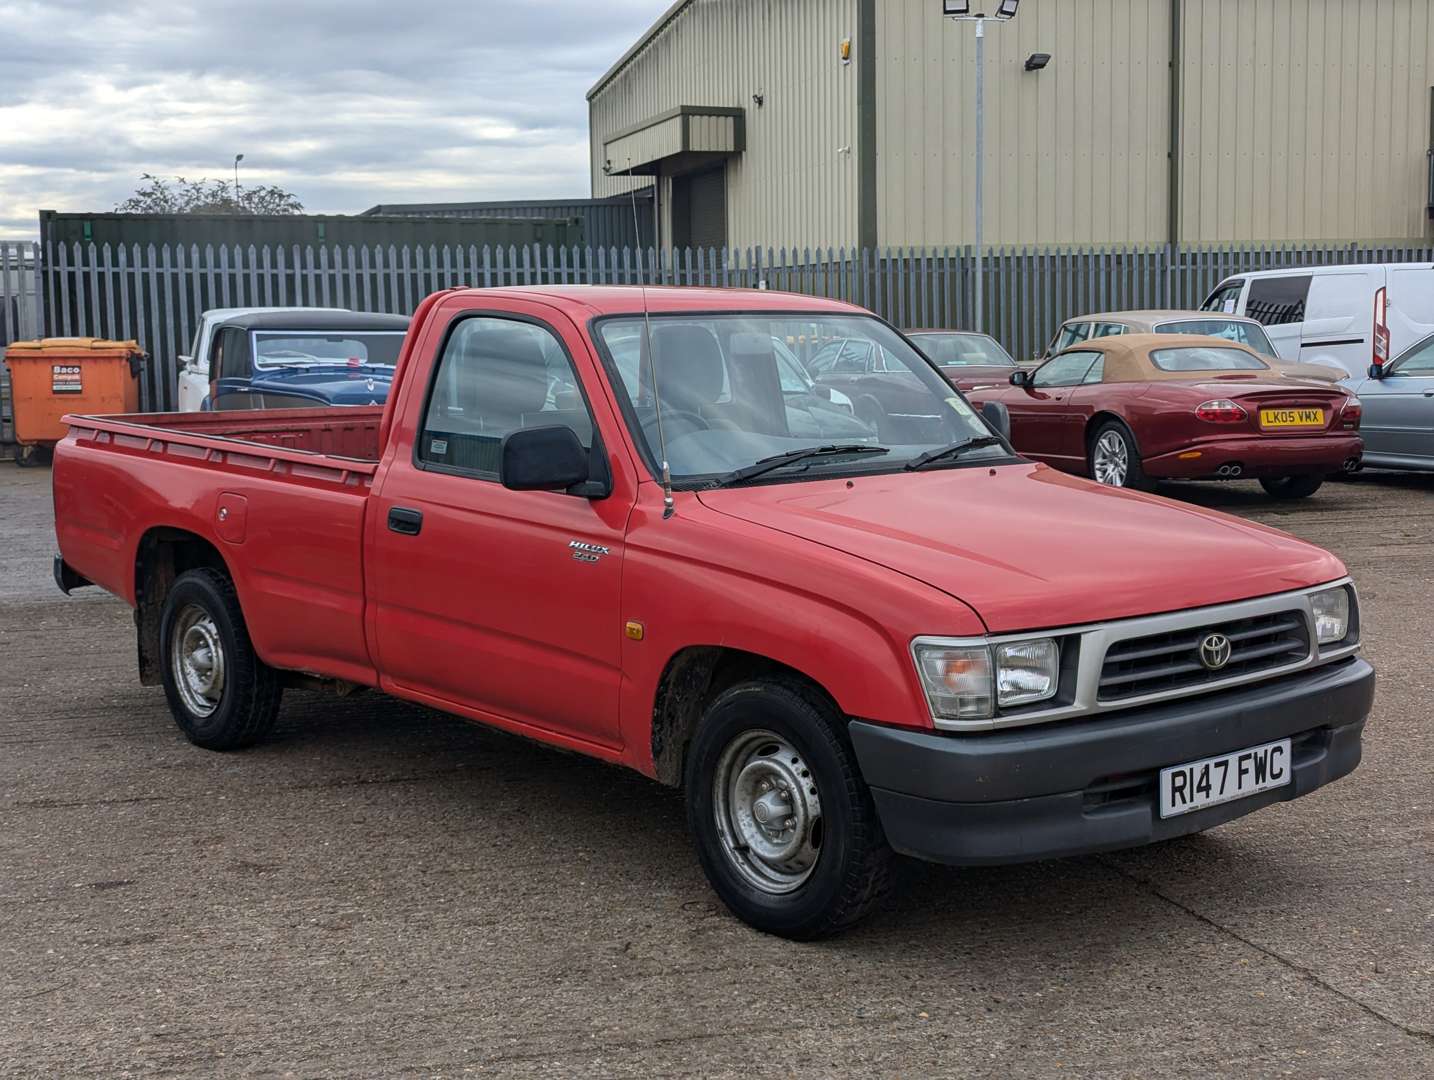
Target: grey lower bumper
point(1066, 789)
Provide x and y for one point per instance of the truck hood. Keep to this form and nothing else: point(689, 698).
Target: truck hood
point(338, 385)
point(1029, 547)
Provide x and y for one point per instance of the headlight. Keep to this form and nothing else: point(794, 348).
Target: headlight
point(966, 682)
point(1027, 671)
point(1331, 615)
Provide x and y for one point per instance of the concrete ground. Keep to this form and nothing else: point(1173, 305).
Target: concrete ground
point(386, 891)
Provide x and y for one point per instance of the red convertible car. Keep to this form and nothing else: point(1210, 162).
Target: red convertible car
point(1129, 410)
point(967, 359)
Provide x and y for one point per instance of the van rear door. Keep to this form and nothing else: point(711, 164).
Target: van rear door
point(1339, 317)
point(1410, 313)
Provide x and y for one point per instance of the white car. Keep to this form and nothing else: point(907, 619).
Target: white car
point(194, 368)
point(1345, 317)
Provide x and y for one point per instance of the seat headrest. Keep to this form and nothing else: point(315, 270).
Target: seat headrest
point(689, 365)
point(502, 374)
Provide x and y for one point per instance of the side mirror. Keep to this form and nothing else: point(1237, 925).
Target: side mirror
point(1376, 371)
point(184, 362)
point(543, 459)
point(1020, 378)
point(998, 418)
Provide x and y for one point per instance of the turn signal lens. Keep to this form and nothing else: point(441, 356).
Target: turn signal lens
point(1331, 614)
point(1220, 411)
point(957, 680)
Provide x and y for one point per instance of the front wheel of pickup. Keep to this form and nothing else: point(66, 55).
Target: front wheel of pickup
point(784, 825)
point(222, 695)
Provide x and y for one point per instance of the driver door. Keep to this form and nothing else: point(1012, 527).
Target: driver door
point(484, 600)
point(1043, 413)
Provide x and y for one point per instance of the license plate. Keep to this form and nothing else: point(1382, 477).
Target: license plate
point(1278, 418)
point(1215, 780)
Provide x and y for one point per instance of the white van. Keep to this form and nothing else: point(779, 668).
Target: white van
point(1346, 317)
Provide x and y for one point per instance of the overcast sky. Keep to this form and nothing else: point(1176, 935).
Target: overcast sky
point(345, 104)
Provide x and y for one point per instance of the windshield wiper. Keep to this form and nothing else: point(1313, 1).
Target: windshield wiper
point(956, 449)
point(776, 461)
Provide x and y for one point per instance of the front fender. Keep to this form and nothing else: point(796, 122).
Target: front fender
point(703, 579)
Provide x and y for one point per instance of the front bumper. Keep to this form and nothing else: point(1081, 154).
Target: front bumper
point(1273, 455)
point(1071, 788)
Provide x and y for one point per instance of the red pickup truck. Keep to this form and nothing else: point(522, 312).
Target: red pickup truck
point(606, 518)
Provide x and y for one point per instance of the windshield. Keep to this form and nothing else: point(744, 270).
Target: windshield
point(736, 389)
point(295, 348)
point(963, 350)
point(1251, 334)
point(1200, 358)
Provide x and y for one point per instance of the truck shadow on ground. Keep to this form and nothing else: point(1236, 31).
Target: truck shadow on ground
point(631, 834)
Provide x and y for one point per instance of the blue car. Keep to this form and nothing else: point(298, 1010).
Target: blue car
point(303, 359)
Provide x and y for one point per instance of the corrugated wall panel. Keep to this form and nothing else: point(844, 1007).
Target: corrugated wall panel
point(796, 182)
point(1075, 153)
point(1305, 119)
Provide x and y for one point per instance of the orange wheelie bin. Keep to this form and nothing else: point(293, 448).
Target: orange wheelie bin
point(55, 376)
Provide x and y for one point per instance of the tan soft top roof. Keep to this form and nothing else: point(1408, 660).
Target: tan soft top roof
point(1127, 356)
point(1150, 316)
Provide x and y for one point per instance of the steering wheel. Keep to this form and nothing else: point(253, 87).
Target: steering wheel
point(686, 423)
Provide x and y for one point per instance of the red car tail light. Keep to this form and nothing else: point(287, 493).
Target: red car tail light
point(1380, 356)
point(1352, 413)
point(1220, 411)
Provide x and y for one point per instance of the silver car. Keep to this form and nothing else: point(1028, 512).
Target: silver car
point(1398, 424)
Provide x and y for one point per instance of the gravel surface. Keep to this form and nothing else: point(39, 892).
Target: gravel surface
point(386, 891)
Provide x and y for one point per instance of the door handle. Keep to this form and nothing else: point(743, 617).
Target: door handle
point(404, 521)
point(1429, 393)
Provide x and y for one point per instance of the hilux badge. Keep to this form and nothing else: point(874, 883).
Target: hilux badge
point(585, 552)
point(1214, 651)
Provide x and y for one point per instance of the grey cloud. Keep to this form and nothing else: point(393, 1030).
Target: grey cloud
point(347, 104)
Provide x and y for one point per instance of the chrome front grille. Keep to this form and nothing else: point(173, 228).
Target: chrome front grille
point(1160, 663)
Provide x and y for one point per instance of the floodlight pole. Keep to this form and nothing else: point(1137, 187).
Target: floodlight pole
point(980, 19)
point(980, 320)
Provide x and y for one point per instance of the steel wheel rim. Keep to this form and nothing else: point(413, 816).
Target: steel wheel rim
point(1112, 459)
point(197, 660)
point(768, 812)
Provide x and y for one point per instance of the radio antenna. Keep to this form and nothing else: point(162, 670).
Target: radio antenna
point(668, 508)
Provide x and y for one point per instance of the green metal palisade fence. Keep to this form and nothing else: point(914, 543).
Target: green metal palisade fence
point(155, 293)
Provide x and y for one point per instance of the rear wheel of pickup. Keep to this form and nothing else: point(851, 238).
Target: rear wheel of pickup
point(222, 695)
point(785, 827)
point(1291, 487)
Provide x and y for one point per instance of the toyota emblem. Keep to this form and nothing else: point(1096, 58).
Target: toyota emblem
point(1215, 651)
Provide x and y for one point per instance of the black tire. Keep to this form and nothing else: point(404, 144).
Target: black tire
point(1135, 478)
point(27, 457)
point(1291, 487)
point(247, 702)
point(849, 875)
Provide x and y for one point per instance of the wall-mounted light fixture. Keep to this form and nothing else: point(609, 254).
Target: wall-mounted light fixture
point(1037, 60)
point(845, 50)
